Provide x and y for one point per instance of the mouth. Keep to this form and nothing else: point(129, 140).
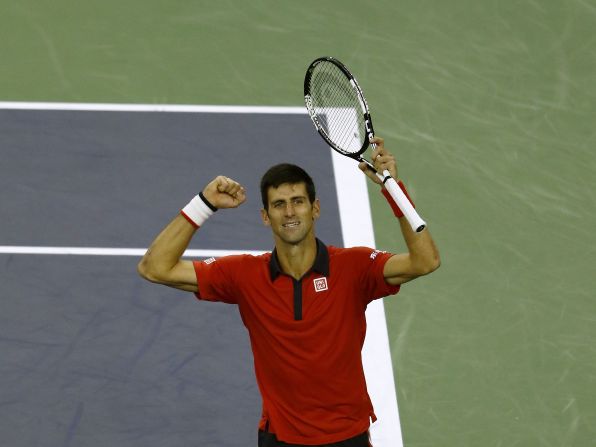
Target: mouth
point(291, 224)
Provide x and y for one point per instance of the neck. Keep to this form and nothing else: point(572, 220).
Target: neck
point(296, 259)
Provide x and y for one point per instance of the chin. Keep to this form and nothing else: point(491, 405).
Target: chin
point(293, 239)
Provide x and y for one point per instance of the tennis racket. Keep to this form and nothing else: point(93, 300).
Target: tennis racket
point(339, 112)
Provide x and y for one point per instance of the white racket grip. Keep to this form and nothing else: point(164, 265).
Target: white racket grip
point(404, 204)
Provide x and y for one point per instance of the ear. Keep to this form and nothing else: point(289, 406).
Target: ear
point(265, 217)
point(316, 209)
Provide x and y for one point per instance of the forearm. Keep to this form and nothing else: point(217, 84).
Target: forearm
point(422, 256)
point(423, 253)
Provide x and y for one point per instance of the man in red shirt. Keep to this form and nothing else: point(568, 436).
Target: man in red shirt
point(303, 304)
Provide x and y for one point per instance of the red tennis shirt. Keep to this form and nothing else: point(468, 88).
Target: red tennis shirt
point(306, 336)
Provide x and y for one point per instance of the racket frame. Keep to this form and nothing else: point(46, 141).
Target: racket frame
point(361, 99)
point(388, 181)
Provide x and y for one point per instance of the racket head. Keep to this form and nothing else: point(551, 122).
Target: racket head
point(337, 107)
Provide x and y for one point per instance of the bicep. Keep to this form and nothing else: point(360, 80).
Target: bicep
point(182, 276)
point(399, 269)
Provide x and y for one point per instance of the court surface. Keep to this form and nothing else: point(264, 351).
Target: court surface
point(94, 355)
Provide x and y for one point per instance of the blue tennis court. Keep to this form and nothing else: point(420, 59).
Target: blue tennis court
point(93, 354)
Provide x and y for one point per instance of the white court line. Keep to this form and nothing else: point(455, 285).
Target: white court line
point(106, 251)
point(357, 229)
point(172, 108)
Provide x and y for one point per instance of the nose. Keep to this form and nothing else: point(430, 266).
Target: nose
point(289, 209)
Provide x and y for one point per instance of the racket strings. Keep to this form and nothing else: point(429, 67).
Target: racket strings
point(339, 106)
point(334, 98)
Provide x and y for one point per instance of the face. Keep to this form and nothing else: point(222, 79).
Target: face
point(291, 215)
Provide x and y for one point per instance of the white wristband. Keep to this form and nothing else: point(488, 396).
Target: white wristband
point(197, 211)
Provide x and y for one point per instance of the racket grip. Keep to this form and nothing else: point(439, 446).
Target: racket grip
point(404, 204)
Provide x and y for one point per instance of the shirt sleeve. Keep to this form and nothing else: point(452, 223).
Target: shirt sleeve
point(370, 264)
point(216, 279)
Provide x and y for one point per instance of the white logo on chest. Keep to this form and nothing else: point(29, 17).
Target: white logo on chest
point(320, 284)
point(375, 253)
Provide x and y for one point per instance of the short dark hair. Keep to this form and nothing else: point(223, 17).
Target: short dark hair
point(285, 173)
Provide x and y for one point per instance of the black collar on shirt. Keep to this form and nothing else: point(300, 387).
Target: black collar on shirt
point(321, 264)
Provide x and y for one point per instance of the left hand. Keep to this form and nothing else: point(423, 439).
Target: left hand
point(382, 159)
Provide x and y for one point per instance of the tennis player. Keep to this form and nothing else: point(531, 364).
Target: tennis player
point(303, 304)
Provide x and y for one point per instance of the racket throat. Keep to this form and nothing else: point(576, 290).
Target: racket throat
point(370, 166)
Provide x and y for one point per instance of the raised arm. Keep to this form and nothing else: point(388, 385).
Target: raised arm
point(422, 256)
point(162, 262)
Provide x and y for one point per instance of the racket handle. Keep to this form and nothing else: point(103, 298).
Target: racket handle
point(404, 204)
